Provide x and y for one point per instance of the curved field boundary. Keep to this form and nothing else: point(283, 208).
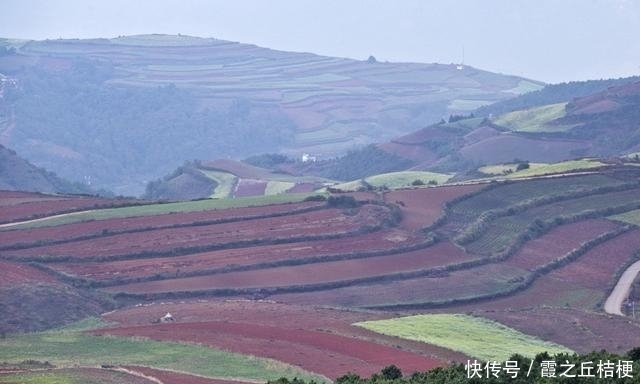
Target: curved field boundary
point(159, 208)
point(319, 225)
point(75, 374)
point(522, 283)
point(312, 350)
point(506, 231)
point(431, 272)
point(38, 211)
point(308, 275)
point(613, 304)
point(476, 229)
point(64, 348)
point(315, 259)
point(121, 228)
point(474, 336)
point(525, 282)
point(165, 376)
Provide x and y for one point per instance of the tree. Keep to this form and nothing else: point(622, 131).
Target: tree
point(522, 166)
point(391, 372)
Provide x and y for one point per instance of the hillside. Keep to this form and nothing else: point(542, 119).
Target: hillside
point(601, 124)
point(320, 287)
point(226, 178)
point(110, 109)
point(17, 174)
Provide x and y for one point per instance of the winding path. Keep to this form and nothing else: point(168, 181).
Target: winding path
point(45, 218)
point(613, 304)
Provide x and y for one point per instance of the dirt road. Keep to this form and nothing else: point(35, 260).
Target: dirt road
point(613, 305)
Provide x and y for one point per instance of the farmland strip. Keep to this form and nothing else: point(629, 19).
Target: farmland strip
point(104, 228)
point(314, 259)
point(526, 282)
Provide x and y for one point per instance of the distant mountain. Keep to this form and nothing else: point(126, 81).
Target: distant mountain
point(17, 174)
point(602, 124)
point(128, 110)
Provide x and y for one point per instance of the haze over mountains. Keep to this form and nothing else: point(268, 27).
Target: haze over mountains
point(125, 111)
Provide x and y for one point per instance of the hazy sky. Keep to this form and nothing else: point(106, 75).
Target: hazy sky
point(548, 40)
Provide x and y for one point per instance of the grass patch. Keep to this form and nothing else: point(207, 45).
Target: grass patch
point(631, 217)
point(477, 337)
point(537, 169)
point(350, 186)
point(70, 376)
point(525, 86)
point(225, 181)
point(278, 187)
point(534, 119)
point(405, 179)
point(68, 349)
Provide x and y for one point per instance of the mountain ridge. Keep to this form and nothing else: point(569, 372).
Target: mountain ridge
point(118, 103)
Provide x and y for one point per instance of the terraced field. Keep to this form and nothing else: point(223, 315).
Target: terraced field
point(287, 281)
point(333, 104)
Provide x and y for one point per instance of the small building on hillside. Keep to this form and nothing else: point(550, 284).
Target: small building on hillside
point(168, 318)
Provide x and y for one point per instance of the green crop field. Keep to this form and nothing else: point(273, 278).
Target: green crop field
point(404, 179)
point(277, 187)
point(70, 376)
point(477, 337)
point(226, 182)
point(536, 169)
point(631, 217)
point(525, 86)
point(162, 208)
point(71, 348)
point(534, 119)
point(350, 186)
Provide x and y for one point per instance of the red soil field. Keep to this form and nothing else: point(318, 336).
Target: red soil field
point(250, 187)
point(596, 269)
point(379, 240)
point(326, 319)
point(14, 274)
point(422, 206)
point(169, 377)
point(485, 279)
point(19, 194)
point(325, 353)
point(323, 222)
point(582, 331)
point(583, 283)
point(96, 227)
point(415, 152)
point(49, 207)
point(506, 147)
point(306, 274)
point(558, 242)
point(10, 201)
point(302, 188)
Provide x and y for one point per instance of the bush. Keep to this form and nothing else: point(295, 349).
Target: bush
point(342, 202)
point(522, 166)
